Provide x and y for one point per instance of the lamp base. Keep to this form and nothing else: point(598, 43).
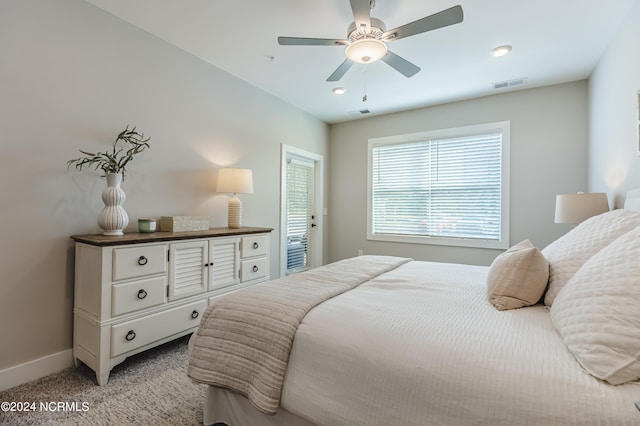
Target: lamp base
point(235, 212)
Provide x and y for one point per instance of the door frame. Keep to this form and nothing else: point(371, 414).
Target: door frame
point(318, 205)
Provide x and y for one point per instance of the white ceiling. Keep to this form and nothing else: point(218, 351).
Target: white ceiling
point(554, 41)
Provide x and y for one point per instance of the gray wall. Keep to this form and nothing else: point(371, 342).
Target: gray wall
point(548, 157)
point(72, 76)
point(614, 163)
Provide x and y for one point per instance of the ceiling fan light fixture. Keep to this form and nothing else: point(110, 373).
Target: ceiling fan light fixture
point(366, 50)
point(500, 51)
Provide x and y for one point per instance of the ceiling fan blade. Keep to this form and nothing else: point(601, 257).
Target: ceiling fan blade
point(340, 71)
point(400, 64)
point(302, 41)
point(361, 13)
point(453, 15)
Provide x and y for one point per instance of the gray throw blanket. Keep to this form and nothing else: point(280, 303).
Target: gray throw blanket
point(244, 339)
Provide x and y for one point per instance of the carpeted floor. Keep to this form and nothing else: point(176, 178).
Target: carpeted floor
point(151, 388)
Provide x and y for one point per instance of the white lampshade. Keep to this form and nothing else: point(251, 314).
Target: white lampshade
point(236, 181)
point(574, 208)
point(366, 50)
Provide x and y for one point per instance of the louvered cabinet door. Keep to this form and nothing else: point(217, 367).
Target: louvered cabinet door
point(225, 260)
point(188, 265)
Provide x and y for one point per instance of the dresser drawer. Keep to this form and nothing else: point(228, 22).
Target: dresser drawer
point(254, 245)
point(133, 262)
point(252, 269)
point(135, 295)
point(131, 335)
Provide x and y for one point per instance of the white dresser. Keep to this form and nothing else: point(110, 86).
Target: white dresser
point(136, 291)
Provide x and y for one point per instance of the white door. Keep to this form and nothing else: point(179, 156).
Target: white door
point(224, 262)
point(188, 264)
point(301, 234)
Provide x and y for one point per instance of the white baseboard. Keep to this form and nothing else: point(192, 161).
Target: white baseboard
point(32, 370)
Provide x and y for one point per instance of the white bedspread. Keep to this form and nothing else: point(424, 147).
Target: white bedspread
point(437, 353)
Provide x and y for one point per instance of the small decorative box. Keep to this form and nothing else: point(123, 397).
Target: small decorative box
point(184, 223)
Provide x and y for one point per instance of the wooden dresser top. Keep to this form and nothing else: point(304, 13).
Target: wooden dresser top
point(151, 237)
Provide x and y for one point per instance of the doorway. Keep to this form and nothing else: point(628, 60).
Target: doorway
point(301, 228)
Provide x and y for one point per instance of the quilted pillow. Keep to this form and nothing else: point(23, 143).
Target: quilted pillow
point(517, 277)
point(598, 312)
point(569, 252)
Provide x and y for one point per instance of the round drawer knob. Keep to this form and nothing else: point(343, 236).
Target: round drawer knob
point(255, 268)
point(130, 335)
point(142, 261)
point(195, 314)
point(142, 294)
point(256, 245)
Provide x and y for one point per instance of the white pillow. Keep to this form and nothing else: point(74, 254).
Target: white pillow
point(517, 277)
point(633, 200)
point(598, 312)
point(569, 252)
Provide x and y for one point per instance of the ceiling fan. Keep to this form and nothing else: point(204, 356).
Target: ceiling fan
point(367, 38)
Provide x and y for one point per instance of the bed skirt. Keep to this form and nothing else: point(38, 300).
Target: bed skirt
point(233, 409)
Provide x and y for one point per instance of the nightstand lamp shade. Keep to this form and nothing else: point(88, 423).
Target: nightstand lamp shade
point(235, 181)
point(574, 208)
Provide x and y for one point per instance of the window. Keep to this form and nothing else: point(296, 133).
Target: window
point(442, 187)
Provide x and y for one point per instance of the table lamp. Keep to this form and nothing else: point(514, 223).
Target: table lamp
point(235, 181)
point(574, 208)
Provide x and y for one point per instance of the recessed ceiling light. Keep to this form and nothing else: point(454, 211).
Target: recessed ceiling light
point(338, 90)
point(501, 51)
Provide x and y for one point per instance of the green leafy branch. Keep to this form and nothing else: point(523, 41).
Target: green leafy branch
point(116, 159)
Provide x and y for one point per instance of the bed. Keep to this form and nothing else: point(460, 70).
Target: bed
point(404, 342)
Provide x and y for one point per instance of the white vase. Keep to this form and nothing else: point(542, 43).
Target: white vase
point(113, 219)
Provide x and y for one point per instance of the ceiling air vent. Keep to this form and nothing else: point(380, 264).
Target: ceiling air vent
point(360, 112)
point(509, 83)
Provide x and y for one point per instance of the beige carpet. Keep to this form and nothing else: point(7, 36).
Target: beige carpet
point(151, 388)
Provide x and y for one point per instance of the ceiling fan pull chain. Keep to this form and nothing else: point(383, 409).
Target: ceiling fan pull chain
point(364, 84)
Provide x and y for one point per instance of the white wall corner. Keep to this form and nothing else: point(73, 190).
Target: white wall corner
point(32, 370)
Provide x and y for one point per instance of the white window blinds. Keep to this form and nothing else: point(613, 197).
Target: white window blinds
point(448, 187)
